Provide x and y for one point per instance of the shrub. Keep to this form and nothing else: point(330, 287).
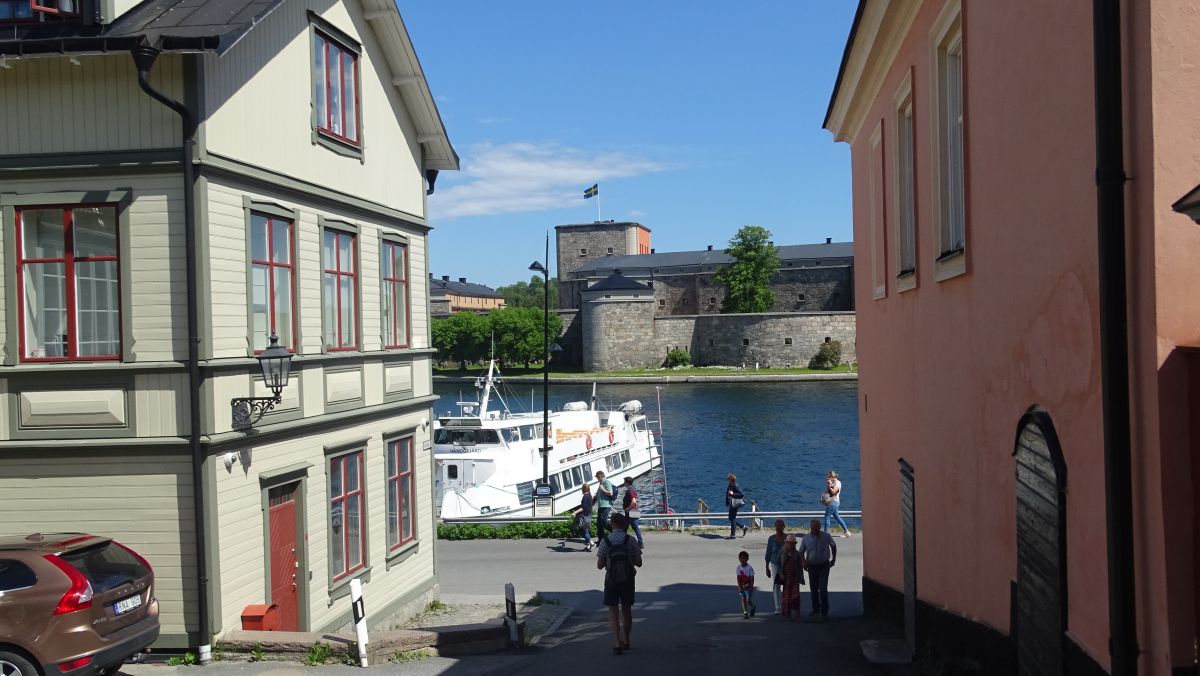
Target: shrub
point(678, 357)
point(510, 531)
point(828, 356)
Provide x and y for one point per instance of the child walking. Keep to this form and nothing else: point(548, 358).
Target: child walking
point(745, 583)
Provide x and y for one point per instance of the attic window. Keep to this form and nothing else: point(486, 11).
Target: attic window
point(336, 95)
point(37, 10)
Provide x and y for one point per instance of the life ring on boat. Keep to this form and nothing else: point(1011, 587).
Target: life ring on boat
point(588, 441)
point(612, 436)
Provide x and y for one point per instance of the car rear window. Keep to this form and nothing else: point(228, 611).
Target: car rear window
point(15, 575)
point(106, 566)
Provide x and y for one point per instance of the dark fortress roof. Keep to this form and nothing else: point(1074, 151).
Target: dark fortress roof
point(168, 25)
point(618, 282)
point(462, 288)
point(715, 257)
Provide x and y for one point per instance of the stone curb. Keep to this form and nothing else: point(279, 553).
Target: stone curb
point(559, 615)
point(449, 641)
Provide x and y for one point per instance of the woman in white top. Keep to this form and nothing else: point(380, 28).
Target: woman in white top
point(834, 487)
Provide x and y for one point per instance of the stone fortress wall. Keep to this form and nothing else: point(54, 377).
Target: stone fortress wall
point(624, 336)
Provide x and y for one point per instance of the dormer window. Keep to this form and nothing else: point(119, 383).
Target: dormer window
point(36, 10)
point(336, 95)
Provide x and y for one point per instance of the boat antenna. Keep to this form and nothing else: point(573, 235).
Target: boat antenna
point(662, 458)
point(593, 396)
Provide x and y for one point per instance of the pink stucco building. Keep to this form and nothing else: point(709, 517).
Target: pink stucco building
point(987, 140)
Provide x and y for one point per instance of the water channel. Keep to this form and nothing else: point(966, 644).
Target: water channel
point(778, 438)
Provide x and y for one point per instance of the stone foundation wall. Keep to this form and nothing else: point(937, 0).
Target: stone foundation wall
point(782, 339)
point(619, 334)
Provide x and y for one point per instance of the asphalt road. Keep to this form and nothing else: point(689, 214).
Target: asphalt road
point(686, 618)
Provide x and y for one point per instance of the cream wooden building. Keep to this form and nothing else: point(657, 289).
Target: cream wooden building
point(316, 140)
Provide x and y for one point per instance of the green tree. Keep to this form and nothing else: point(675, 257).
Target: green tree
point(747, 280)
point(518, 334)
point(464, 337)
point(529, 294)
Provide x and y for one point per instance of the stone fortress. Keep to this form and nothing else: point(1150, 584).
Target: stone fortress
point(624, 305)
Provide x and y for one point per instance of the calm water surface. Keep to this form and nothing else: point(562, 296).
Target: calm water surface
point(778, 438)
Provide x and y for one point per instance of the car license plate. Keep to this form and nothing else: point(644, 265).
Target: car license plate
point(126, 605)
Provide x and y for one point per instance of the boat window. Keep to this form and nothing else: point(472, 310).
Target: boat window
point(537, 431)
point(625, 458)
point(451, 472)
point(525, 492)
point(587, 471)
point(566, 480)
point(463, 437)
point(527, 432)
point(611, 462)
point(579, 476)
point(512, 434)
point(554, 487)
point(486, 437)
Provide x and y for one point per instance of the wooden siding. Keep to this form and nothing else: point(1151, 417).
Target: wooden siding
point(161, 403)
point(142, 500)
point(228, 264)
point(258, 99)
point(50, 105)
point(241, 536)
point(154, 270)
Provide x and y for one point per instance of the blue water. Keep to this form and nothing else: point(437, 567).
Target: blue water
point(780, 439)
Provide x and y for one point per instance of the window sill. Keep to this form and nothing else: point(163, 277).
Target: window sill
point(340, 147)
point(402, 553)
point(906, 281)
point(950, 265)
point(341, 588)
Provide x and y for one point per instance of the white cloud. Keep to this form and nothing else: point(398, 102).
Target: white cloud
point(494, 120)
point(528, 177)
point(635, 213)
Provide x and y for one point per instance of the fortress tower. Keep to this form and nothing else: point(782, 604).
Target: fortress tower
point(579, 243)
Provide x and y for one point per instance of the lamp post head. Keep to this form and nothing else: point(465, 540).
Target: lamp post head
point(538, 267)
point(276, 363)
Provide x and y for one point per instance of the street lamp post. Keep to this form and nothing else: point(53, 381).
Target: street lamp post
point(538, 267)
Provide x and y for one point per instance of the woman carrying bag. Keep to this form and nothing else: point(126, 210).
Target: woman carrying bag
point(583, 517)
point(734, 499)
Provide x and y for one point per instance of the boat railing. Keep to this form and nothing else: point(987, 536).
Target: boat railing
point(677, 521)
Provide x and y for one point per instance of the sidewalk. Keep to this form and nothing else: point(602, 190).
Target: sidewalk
point(686, 619)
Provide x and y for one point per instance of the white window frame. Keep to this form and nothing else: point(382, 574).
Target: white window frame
point(947, 141)
point(904, 187)
point(877, 222)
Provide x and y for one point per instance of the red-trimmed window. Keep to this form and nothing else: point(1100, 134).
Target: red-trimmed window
point(340, 294)
point(272, 281)
point(69, 288)
point(32, 10)
point(335, 89)
point(402, 493)
point(347, 537)
point(395, 295)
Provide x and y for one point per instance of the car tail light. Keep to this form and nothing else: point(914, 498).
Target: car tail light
point(141, 559)
point(74, 664)
point(79, 596)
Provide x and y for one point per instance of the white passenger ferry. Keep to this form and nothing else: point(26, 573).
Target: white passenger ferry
point(488, 461)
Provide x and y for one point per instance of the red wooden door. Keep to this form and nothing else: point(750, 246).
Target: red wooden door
point(285, 591)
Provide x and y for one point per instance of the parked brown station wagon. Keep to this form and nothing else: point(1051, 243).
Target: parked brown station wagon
point(72, 605)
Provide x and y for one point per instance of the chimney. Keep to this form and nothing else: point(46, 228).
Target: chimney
point(431, 275)
point(462, 280)
point(652, 251)
point(445, 278)
point(710, 247)
point(829, 240)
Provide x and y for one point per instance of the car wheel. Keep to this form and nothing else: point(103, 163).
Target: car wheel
point(12, 664)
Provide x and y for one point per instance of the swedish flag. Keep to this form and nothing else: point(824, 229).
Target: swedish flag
point(592, 191)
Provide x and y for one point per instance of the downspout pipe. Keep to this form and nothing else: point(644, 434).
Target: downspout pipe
point(144, 58)
point(1114, 336)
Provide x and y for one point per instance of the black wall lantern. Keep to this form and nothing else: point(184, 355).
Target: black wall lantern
point(276, 364)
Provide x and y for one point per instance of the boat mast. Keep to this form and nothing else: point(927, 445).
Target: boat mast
point(662, 458)
point(593, 396)
point(487, 390)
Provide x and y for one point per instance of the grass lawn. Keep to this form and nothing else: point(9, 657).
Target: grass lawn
point(513, 371)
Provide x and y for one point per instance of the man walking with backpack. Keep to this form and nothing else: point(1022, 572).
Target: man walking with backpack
point(619, 556)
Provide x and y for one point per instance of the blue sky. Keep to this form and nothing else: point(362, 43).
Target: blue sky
point(696, 118)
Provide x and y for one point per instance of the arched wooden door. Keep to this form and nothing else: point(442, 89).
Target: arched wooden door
point(1041, 612)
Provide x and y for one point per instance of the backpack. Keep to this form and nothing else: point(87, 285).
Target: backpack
point(616, 490)
point(618, 562)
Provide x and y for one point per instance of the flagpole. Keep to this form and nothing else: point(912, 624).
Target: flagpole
point(597, 201)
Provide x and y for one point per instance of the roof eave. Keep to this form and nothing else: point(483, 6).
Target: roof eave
point(384, 17)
